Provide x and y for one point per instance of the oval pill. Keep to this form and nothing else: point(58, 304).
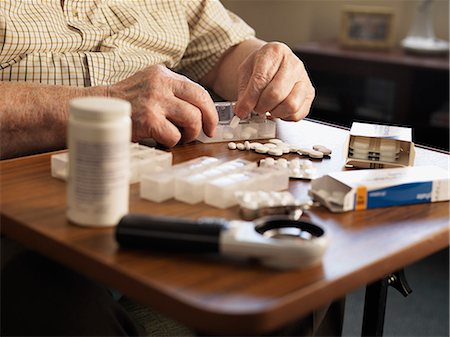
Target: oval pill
point(240, 146)
point(234, 122)
point(326, 151)
point(232, 146)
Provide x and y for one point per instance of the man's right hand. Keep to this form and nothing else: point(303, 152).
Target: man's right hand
point(166, 106)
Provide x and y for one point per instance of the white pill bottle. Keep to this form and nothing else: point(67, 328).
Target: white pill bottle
point(99, 136)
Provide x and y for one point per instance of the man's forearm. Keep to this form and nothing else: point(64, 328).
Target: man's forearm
point(223, 79)
point(33, 117)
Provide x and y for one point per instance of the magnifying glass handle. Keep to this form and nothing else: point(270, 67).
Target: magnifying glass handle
point(170, 233)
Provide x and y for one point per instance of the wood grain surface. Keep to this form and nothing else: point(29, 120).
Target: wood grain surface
point(225, 296)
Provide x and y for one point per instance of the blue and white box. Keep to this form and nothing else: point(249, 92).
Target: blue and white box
point(372, 188)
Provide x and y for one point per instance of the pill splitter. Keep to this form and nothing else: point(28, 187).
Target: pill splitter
point(231, 128)
point(277, 242)
point(143, 160)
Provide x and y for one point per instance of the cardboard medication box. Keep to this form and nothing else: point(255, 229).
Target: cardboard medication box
point(373, 188)
point(379, 146)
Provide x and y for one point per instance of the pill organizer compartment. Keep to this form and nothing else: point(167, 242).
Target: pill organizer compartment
point(143, 159)
point(220, 192)
point(160, 186)
point(191, 188)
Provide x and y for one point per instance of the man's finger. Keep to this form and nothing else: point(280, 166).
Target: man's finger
point(264, 69)
point(186, 116)
point(164, 132)
point(196, 95)
point(289, 108)
point(278, 89)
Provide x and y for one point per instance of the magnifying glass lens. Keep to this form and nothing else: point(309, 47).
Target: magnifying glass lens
point(288, 229)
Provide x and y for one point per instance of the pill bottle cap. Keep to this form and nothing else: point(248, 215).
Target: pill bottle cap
point(99, 108)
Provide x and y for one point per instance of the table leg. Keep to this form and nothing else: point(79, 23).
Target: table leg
point(375, 301)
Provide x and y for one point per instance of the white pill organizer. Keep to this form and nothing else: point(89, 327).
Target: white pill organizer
point(233, 129)
point(143, 160)
point(373, 188)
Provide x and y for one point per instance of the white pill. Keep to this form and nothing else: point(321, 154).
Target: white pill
point(304, 151)
point(275, 141)
point(315, 154)
point(240, 146)
point(326, 151)
point(283, 161)
point(232, 146)
point(285, 149)
point(247, 145)
point(270, 161)
point(270, 145)
point(305, 164)
point(275, 152)
point(228, 135)
point(234, 122)
point(294, 148)
point(262, 149)
point(254, 145)
point(282, 164)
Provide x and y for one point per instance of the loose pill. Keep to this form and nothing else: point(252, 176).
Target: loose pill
point(275, 152)
point(247, 145)
point(270, 145)
point(326, 151)
point(234, 122)
point(303, 151)
point(240, 146)
point(232, 146)
point(275, 141)
point(315, 154)
point(262, 149)
point(254, 145)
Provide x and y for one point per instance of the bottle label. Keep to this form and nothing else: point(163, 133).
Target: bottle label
point(100, 178)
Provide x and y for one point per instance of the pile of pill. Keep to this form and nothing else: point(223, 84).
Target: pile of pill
point(276, 147)
point(298, 168)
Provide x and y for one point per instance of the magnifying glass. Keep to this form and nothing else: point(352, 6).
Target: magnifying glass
point(276, 241)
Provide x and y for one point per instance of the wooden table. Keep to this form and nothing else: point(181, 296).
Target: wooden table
point(219, 296)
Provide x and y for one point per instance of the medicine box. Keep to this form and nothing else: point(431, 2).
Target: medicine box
point(253, 127)
point(143, 160)
point(379, 146)
point(373, 188)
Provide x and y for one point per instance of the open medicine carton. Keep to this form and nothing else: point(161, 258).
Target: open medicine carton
point(362, 189)
point(379, 146)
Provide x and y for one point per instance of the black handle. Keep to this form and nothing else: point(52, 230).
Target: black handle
point(170, 233)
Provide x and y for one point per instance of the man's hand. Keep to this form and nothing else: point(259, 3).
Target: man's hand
point(273, 79)
point(166, 106)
